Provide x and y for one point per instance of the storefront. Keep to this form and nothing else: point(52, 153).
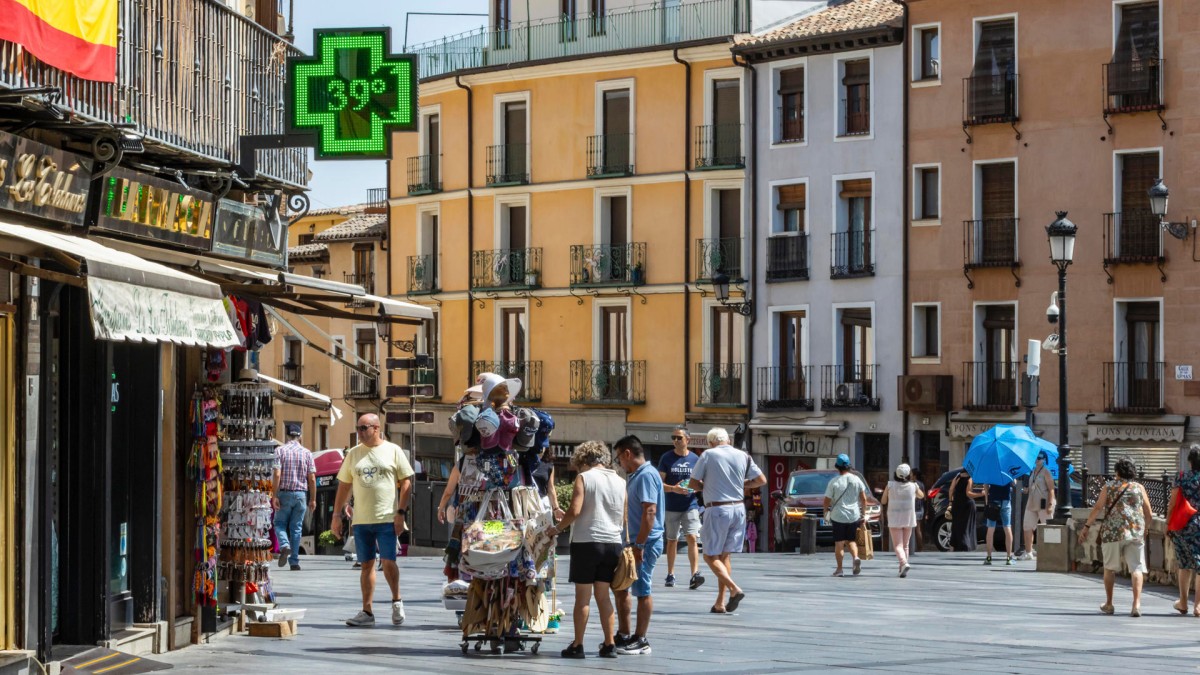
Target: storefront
point(1157, 447)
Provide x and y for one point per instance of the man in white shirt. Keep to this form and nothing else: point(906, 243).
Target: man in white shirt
point(845, 504)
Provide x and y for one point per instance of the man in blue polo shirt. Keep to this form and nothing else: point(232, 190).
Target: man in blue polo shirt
point(683, 506)
point(645, 506)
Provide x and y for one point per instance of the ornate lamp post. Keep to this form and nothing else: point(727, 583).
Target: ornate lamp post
point(720, 282)
point(1061, 234)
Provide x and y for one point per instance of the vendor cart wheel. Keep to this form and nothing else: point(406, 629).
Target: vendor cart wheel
point(464, 647)
point(533, 649)
point(495, 646)
point(479, 645)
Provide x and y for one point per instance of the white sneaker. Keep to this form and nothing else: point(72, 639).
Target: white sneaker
point(397, 612)
point(362, 619)
point(1033, 555)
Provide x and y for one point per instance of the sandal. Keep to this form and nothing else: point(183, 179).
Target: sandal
point(1107, 608)
point(1181, 610)
point(714, 610)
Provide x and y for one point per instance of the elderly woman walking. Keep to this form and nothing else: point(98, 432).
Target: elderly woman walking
point(1187, 540)
point(598, 513)
point(1125, 509)
point(900, 497)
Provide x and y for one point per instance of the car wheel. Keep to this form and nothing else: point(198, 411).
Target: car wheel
point(943, 531)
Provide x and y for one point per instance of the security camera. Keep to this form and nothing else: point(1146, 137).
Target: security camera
point(1050, 344)
point(1052, 310)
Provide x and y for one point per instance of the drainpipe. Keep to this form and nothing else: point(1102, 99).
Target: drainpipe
point(470, 216)
point(907, 179)
point(753, 196)
point(687, 224)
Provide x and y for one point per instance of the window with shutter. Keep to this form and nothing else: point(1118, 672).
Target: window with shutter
point(1138, 172)
point(792, 200)
point(791, 105)
point(856, 188)
point(857, 82)
point(998, 190)
point(1137, 38)
point(996, 54)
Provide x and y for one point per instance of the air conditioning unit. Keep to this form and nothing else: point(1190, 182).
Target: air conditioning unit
point(925, 393)
point(848, 392)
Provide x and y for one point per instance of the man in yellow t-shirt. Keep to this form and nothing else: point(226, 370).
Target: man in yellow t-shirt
point(379, 475)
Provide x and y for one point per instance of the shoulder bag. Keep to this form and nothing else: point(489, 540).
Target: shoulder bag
point(1182, 515)
point(488, 546)
point(626, 572)
point(1111, 505)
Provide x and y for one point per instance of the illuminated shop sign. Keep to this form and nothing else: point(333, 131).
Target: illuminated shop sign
point(149, 207)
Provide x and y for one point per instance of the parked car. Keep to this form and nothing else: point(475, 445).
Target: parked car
point(804, 498)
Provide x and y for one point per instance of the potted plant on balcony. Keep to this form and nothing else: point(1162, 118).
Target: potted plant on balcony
point(638, 274)
point(531, 278)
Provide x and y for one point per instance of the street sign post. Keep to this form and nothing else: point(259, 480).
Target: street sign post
point(418, 361)
point(410, 391)
point(410, 417)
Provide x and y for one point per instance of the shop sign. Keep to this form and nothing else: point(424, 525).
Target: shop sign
point(249, 232)
point(562, 451)
point(122, 311)
point(148, 207)
point(324, 481)
point(43, 181)
point(967, 430)
point(1156, 433)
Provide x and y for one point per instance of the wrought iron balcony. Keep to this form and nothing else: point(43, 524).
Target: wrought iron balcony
point(377, 198)
point(528, 372)
point(719, 255)
point(291, 373)
point(610, 155)
point(424, 174)
point(508, 164)
point(787, 257)
point(359, 385)
point(506, 269)
point(1133, 387)
point(719, 146)
point(430, 376)
point(784, 388)
point(990, 99)
point(1134, 86)
point(636, 27)
point(991, 385)
point(364, 279)
point(791, 124)
point(720, 385)
point(853, 254)
point(608, 265)
point(1132, 237)
point(849, 387)
point(990, 242)
point(858, 116)
point(612, 382)
point(422, 274)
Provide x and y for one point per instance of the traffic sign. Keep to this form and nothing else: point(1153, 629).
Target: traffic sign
point(410, 417)
point(410, 391)
point(418, 361)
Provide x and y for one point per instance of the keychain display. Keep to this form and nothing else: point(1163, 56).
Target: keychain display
point(204, 466)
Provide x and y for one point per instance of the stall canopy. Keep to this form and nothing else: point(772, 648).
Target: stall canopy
point(130, 298)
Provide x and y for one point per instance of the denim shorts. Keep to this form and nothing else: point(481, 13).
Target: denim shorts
point(375, 538)
point(650, 554)
point(1005, 515)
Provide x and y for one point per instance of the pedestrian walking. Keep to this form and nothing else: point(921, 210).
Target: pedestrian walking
point(1038, 505)
point(596, 518)
point(920, 511)
point(1187, 539)
point(293, 492)
point(722, 475)
point(845, 504)
point(961, 513)
point(379, 475)
point(644, 522)
point(901, 497)
point(1126, 511)
point(998, 512)
point(683, 506)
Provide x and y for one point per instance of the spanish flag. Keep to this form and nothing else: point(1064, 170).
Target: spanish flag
point(77, 36)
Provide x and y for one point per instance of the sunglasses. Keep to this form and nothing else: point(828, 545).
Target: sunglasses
point(677, 438)
point(364, 427)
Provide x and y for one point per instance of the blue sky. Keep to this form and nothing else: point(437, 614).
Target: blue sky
point(336, 183)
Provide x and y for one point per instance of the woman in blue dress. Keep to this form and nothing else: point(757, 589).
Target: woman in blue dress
point(1187, 540)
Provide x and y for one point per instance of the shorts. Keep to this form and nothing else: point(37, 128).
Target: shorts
point(679, 524)
point(593, 561)
point(1035, 517)
point(375, 538)
point(845, 531)
point(1131, 551)
point(724, 529)
point(1005, 515)
point(650, 554)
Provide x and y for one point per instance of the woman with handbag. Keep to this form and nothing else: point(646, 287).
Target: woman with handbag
point(1039, 505)
point(961, 513)
point(598, 514)
point(1126, 511)
point(1183, 527)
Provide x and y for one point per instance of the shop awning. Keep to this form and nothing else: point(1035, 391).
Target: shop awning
point(130, 298)
point(308, 398)
point(797, 428)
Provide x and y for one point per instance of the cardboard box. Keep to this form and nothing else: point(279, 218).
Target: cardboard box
point(272, 629)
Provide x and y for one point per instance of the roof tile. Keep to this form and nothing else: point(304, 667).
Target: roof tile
point(363, 226)
point(839, 16)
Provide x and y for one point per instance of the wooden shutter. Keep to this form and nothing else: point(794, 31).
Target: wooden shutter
point(999, 190)
point(1138, 172)
point(791, 81)
point(857, 72)
point(792, 196)
point(856, 317)
point(856, 188)
point(1137, 38)
point(996, 53)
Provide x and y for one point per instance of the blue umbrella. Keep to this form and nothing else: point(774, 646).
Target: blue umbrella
point(1001, 454)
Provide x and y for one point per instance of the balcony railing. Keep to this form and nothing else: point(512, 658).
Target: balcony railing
point(506, 268)
point(508, 164)
point(610, 155)
point(784, 388)
point(422, 274)
point(719, 146)
point(990, 385)
point(720, 385)
point(429, 376)
point(718, 255)
point(1133, 387)
point(192, 75)
point(990, 99)
point(791, 124)
point(637, 27)
point(377, 198)
point(608, 265)
point(291, 373)
point(849, 387)
point(361, 386)
point(424, 174)
point(364, 279)
point(1132, 236)
point(613, 382)
point(853, 254)
point(787, 257)
point(528, 372)
point(1134, 86)
point(991, 242)
point(858, 116)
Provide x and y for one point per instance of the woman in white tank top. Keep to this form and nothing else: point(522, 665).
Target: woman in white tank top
point(900, 498)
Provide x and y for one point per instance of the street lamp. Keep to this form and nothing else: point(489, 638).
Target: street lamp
point(1159, 194)
point(720, 282)
point(1061, 234)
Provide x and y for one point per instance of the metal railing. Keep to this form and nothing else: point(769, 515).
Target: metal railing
point(193, 75)
point(787, 257)
point(528, 372)
point(610, 155)
point(424, 174)
point(1133, 387)
point(615, 382)
point(291, 373)
point(360, 386)
point(364, 279)
point(853, 254)
point(720, 384)
point(608, 265)
point(719, 146)
point(858, 116)
point(784, 388)
point(1134, 86)
point(990, 242)
point(422, 274)
point(506, 268)
point(508, 164)
point(377, 198)
point(1158, 489)
point(718, 255)
point(1132, 236)
point(990, 385)
point(635, 27)
point(849, 387)
point(791, 124)
point(990, 99)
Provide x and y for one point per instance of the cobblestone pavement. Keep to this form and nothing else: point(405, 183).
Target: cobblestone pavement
point(951, 614)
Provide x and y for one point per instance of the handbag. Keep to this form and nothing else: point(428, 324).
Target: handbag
point(626, 572)
point(992, 512)
point(1182, 515)
point(866, 547)
point(488, 546)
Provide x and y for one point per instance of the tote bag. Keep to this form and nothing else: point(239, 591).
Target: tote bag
point(488, 546)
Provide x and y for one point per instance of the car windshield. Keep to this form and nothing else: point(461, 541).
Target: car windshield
point(808, 484)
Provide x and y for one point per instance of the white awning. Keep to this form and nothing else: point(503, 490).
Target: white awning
point(798, 428)
point(322, 402)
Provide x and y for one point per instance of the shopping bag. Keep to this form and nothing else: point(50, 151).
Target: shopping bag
point(626, 572)
point(1182, 515)
point(488, 546)
point(866, 550)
